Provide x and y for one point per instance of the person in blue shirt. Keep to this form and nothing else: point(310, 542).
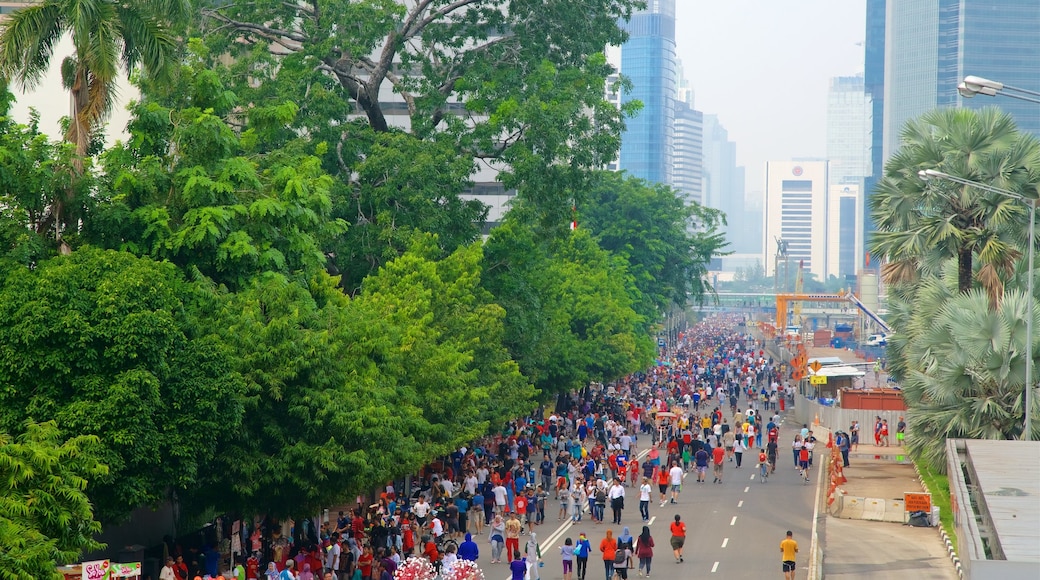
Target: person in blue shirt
point(582, 549)
point(518, 567)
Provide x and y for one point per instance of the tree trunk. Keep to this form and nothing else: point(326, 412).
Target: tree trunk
point(963, 270)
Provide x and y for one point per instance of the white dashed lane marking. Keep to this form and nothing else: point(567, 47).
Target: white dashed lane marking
point(733, 522)
point(725, 542)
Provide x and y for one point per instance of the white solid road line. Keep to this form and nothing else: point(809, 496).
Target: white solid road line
point(733, 522)
point(715, 568)
point(725, 542)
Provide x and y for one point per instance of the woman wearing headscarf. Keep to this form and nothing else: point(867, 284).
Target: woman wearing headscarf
point(608, 545)
point(498, 539)
point(645, 551)
point(306, 574)
point(582, 549)
point(272, 571)
point(533, 556)
point(627, 543)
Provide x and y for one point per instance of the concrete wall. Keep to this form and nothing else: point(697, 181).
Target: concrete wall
point(835, 418)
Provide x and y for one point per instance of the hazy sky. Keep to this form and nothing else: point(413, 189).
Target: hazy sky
point(763, 66)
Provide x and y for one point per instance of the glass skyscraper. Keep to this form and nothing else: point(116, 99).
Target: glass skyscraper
point(648, 61)
point(931, 45)
point(874, 85)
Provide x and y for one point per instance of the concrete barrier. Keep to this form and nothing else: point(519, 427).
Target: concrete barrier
point(874, 509)
point(895, 511)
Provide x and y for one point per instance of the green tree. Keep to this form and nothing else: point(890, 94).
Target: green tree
point(961, 364)
point(921, 224)
point(516, 86)
point(190, 189)
point(45, 516)
point(106, 34)
point(667, 243)
point(569, 308)
point(116, 346)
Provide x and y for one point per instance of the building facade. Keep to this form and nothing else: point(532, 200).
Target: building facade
point(688, 157)
point(874, 85)
point(648, 61)
point(796, 212)
point(931, 45)
point(849, 116)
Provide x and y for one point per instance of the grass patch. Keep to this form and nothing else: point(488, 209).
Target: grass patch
point(939, 486)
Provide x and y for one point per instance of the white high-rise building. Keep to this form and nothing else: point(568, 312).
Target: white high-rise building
point(849, 119)
point(796, 212)
point(688, 156)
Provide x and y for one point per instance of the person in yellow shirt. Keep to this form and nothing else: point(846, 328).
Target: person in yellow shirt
point(789, 551)
point(706, 425)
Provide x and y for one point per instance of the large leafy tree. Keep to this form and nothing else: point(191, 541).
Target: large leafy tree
point(111, 345)
point(106, 34)
point(422, 95)
point(45, 516)
point(667, 243)
point(920, 224)
point(569, 307)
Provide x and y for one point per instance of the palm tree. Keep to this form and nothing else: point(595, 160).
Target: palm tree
point(965, 367)
point(105, 34)
point(919, 224)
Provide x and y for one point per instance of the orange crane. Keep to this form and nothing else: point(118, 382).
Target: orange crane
point(782, 301)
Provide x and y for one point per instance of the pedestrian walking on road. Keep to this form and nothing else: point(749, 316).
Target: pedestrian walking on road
point(738, 450)
point(513, 534)
point(497, 538)
point(567, 556)
point(517, 567)
point(533, 557)
point(644, 499)
point(718, 457)
point(854, 435)
point(788, 551)
point(678, 529)
point(616, 494)
point(645, 551)
point(608, 546)
point(582, 550)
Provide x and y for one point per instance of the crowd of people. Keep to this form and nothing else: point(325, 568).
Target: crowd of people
point(709, 400)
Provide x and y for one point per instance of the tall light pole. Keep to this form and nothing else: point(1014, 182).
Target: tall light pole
point(974, 85)
point(1030, 274)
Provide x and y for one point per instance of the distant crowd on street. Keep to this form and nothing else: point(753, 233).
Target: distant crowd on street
point(707, 402)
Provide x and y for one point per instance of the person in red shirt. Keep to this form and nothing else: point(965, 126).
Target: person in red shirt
point(365, 563)
point(718, 456)
point(357, 526)
point(252, 568)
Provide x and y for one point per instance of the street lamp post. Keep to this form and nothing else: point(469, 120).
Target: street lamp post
point(1030, 274)
point(974, 85)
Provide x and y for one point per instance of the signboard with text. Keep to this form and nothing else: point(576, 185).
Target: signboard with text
point(917, 502)
point(97, 570)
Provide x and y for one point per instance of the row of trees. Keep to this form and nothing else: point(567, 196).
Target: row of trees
point(954, 261)
point(273, 294)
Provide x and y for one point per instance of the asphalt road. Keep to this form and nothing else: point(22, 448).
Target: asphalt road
point(734, 529)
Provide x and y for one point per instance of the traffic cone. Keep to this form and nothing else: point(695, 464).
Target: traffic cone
point(816, 420)
point(830, 439)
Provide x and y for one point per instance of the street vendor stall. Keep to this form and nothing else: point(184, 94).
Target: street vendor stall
point(100, 570)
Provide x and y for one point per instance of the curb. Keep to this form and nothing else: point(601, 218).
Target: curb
point(950, 549)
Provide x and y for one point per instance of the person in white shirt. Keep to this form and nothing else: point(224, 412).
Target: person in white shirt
point(437, 527)
point(644, 499)
point(470, 484)
point(616, 496)
point(675, 478)
point(421, 509)
point(167, 571)
point(501, 495)
point(333, 554)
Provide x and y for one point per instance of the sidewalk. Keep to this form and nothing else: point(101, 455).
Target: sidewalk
point(861, 549)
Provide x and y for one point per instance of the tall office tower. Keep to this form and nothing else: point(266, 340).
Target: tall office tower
point(648, 60)
point(688, 157)
point(724, 187)
point(848, 151)
point(874, 85)
point(931, 45)
point(796, 198)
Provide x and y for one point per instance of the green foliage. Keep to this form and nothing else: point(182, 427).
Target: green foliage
point(45, 516)
point(920, 224)
point(187, 189)
point(569, 309)
point(961, 364)
point(666, 243)
point(111, 345)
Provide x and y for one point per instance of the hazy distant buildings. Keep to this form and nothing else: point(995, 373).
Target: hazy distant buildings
point(931, 45)
point(688, 157)
point(648, 60)
point(849, 115)
point(796, 204)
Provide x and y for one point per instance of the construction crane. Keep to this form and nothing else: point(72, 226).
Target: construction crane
point(782, 300)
